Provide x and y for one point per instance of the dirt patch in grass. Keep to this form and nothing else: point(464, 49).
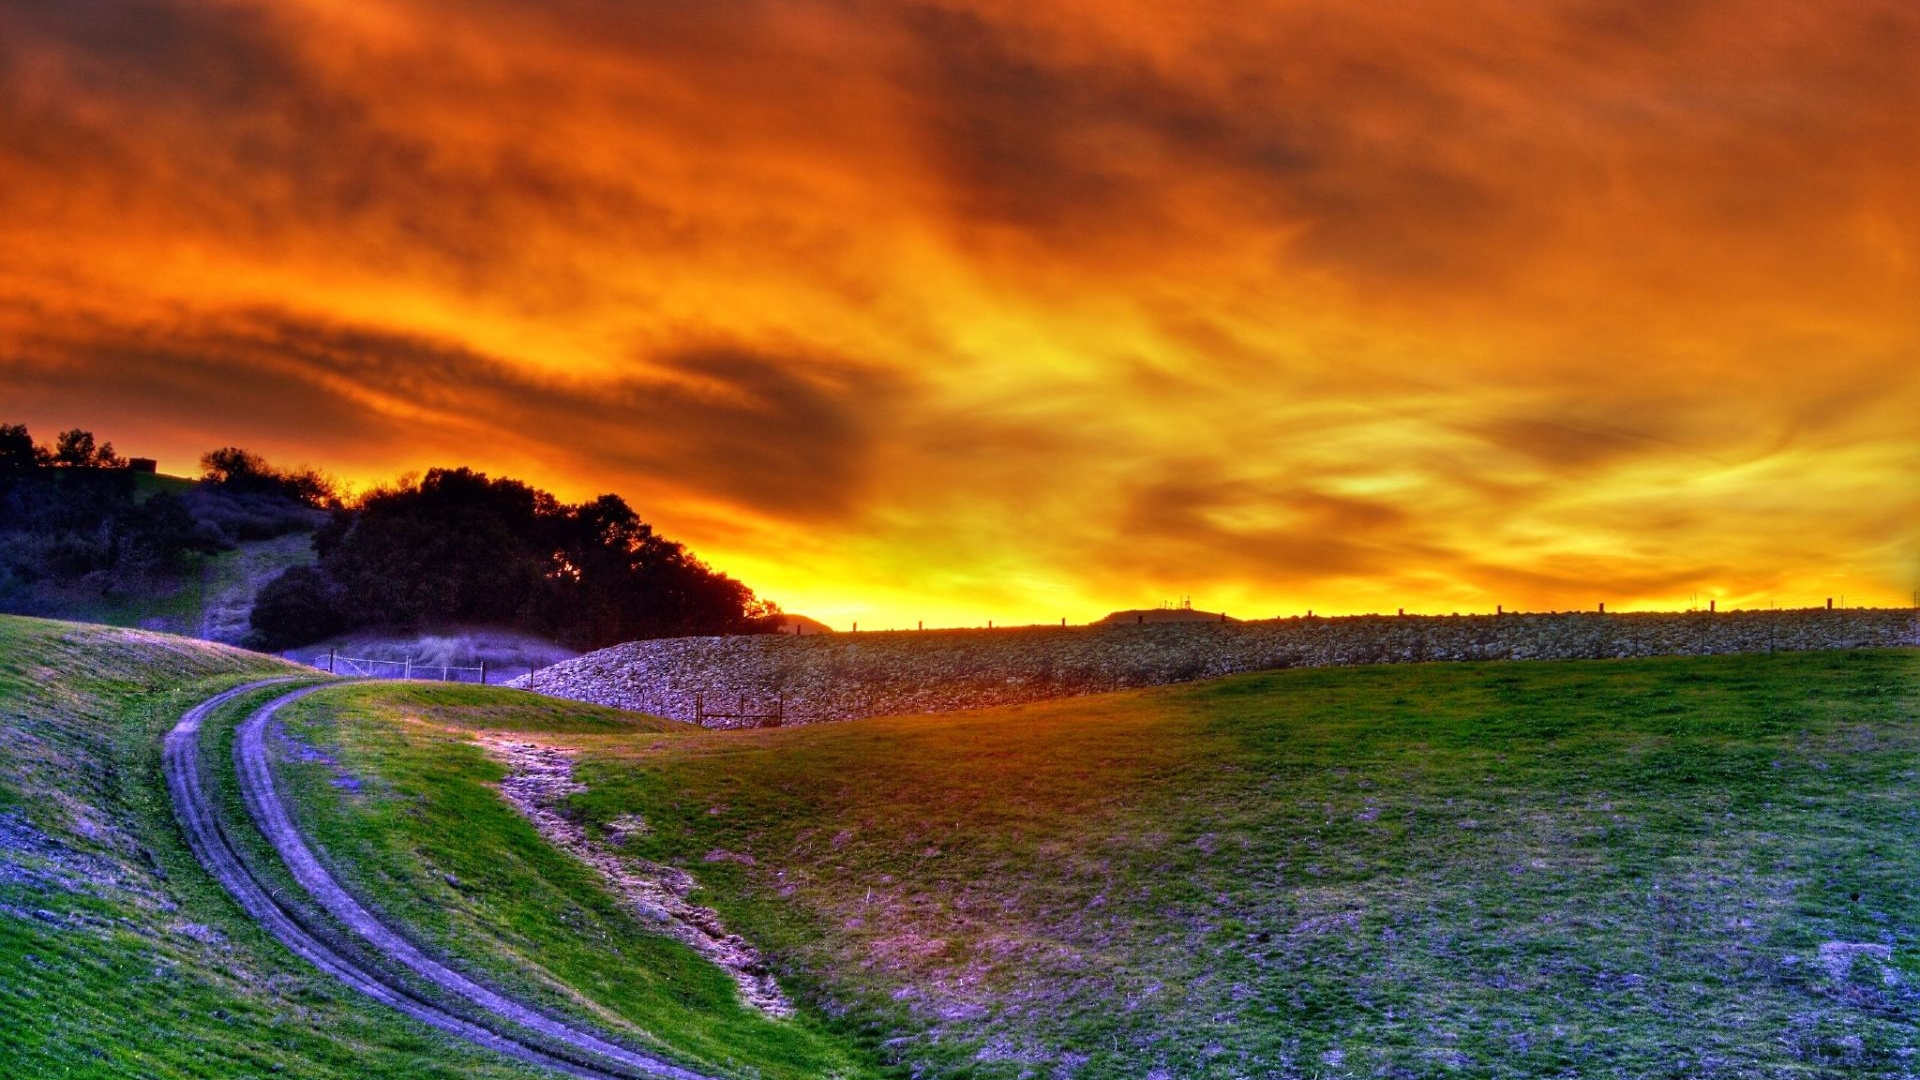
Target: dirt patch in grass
point(232, 581)
point(540, 778)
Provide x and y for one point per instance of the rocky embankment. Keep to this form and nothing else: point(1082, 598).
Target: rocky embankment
point(744, 681)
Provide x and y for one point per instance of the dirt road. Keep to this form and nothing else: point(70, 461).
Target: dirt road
point(360, 950)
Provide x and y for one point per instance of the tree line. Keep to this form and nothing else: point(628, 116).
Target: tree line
point(459, 547)
point(454, 547)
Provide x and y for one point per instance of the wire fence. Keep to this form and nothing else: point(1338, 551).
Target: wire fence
point(357, 667)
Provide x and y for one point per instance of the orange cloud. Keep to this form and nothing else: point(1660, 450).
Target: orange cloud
point(991, 310)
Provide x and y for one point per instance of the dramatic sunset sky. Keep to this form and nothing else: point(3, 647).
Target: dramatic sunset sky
point(1017, 309)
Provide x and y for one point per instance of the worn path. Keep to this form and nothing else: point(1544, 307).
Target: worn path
point(538, 778)
point(441, 997)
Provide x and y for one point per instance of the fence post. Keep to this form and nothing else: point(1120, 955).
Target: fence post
point(483, 673)
point(407, 672)
point(330, 653)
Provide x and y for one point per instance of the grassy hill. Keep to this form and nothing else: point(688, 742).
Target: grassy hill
point(1698, 867)
point(1685, 866)
point(118, 956)
point(387, 779)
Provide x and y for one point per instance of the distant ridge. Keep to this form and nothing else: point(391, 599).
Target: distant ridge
point(1162, 615)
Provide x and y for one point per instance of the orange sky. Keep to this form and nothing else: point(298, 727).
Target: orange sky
point(1015, 311)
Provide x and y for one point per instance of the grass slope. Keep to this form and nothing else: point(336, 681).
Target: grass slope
point(384, 778)
point(1669, 867)
point(118, 956)
point(1672, 867)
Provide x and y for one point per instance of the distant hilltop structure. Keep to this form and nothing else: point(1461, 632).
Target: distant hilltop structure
point(1183, 612)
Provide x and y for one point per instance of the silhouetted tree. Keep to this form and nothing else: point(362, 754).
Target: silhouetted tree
point(299, 606)
point(156, 537)
point(60, 513)
point(18, 455)
point(232, 465)
point(75, 449)
point(459, 546)
point(243, 471)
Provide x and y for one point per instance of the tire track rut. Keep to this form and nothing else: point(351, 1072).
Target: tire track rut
point(441, 997)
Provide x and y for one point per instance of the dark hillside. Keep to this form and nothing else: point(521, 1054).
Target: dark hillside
point(85, 536)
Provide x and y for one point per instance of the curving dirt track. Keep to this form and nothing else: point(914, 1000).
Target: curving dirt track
point(441, 997)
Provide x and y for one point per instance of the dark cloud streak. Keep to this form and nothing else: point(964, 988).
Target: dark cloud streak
point(787, 436)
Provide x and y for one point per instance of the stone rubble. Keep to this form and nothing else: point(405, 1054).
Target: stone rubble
point(829, 677)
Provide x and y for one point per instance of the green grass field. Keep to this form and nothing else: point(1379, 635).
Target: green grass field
point(1675, 867)
point(118, 956)
point(1645, 868)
